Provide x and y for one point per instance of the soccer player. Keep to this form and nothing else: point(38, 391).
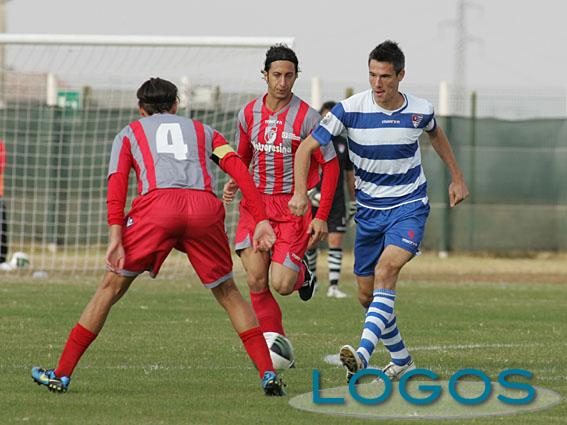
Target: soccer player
point(269, 130)
point(175, 208)
point(338, 217)
point(383, 126)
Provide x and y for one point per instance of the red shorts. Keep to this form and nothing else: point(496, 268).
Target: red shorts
point(192, 221)
point(291, 231)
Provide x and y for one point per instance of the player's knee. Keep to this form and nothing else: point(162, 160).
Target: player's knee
point(226, 288)
point(283, 285)
point(284, 290)
point(226, 293)
point(257, 283)
point(387, 271)
point(114, 286)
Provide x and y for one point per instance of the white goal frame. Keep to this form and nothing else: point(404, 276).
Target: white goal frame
point(143, 40)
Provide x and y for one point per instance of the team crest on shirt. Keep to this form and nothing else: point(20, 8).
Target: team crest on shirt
point(270, 134)
point(416, 120)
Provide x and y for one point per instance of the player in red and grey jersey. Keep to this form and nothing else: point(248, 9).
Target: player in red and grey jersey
point(175, 208)
point(269, 131)
point(267, 142)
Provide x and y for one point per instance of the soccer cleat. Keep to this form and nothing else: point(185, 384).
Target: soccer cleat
point(350, 360)
point(273, 386)
point(335, 292)
point(47, 377)
point(395, 372)
point(309, 283)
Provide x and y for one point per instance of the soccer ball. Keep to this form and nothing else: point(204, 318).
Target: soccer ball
point(19, 260)
point(314, 196)
point(281, 350)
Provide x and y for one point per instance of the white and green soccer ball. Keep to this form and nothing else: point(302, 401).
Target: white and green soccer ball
point(281, 350)
point(19, 260)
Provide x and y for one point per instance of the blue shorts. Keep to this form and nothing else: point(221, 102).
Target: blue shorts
point(402, 226)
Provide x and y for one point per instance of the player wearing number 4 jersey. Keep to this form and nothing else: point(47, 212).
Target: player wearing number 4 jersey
point(175, 208)
point(269, 131)
point(383, 127)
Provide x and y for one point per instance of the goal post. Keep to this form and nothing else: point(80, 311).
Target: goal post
point(63, 98)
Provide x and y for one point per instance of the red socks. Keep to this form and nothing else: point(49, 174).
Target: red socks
point(257, 350)
point(79, 340)
point(267, 311)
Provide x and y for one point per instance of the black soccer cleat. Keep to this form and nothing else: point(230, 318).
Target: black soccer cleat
point(309, 283)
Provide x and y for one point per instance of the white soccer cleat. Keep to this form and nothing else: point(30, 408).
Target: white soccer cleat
point(350, 360)
point(395, 372)
point(335, 292)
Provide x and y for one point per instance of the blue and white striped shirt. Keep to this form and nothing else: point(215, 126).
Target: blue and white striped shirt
point(384, 147)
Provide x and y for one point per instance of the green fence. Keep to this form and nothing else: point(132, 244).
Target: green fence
point(55, 179)
point(516, 171)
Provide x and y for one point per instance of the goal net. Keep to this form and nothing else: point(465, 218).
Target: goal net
point(62, 101)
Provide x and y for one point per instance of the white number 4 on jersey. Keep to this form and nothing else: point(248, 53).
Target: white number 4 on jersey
point(169, 139)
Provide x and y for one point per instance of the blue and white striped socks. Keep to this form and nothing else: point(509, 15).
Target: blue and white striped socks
point(378, 316)
point(392, 340)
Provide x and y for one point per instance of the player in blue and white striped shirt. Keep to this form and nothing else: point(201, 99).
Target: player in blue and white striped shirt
point(383, 126)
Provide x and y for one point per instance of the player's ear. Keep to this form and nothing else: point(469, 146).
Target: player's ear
point(143, 112)
point(401, 74)
point(264, 76)
point(173, 109)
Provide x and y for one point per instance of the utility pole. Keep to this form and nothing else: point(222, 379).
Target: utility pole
point(462, 39)
point(460, 76)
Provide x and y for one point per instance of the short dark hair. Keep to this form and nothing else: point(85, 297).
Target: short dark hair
point(157, 95)
point(327, 106)
point(280, 52)
point(390, 52)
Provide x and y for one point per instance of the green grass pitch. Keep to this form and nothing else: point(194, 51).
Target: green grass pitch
point(168, 354)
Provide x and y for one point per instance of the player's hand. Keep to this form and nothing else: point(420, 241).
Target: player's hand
point(264, 236)
point(351, 212)
point(318, 230)
point(114, 258)
point(229, 191)
point(299, 204)
point(458, 191)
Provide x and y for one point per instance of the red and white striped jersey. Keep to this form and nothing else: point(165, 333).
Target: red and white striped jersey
point(268, 140)
point(166, 151)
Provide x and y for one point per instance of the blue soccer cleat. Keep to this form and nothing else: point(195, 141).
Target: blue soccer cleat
point(48, 378)
point(273, 386)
